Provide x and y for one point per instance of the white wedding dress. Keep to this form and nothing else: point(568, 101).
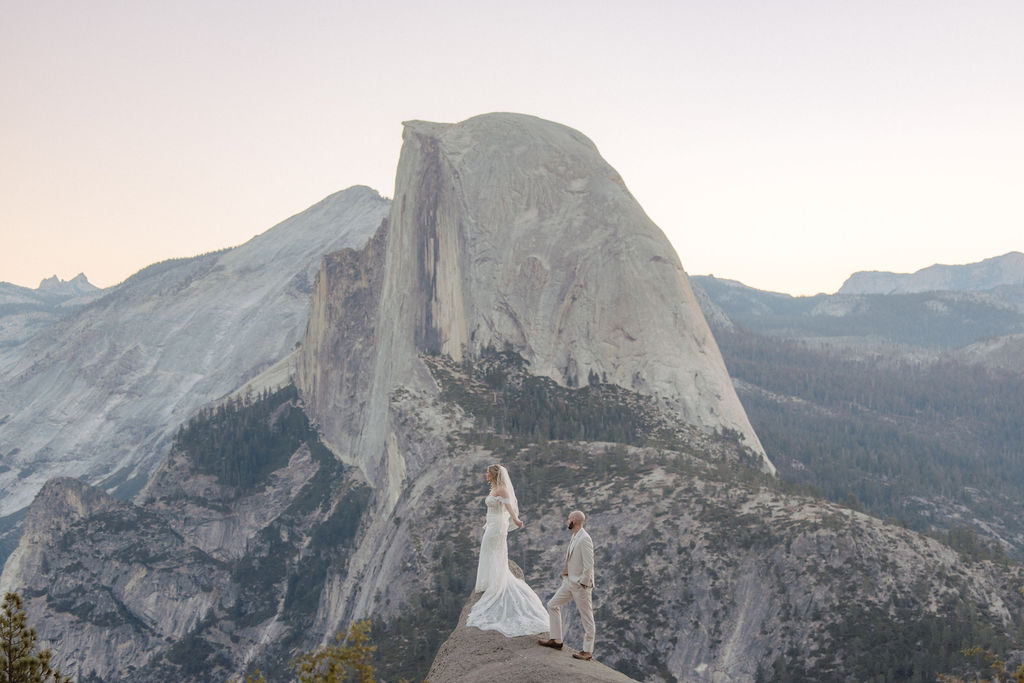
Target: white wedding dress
point(508, 604)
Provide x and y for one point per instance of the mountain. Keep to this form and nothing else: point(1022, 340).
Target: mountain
point(25, 312)
point(76, 286)
point(515, 306)
point(930, 321)
point(130, 588)
point(98, 393)
point(1007, 269)
point(506, 231)
point(704, 573)
point(52, 290)
point(905, 405)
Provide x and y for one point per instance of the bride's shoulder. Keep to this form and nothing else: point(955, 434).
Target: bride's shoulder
point(500, 492)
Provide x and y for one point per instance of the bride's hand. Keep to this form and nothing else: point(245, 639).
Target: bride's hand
point(520, 523)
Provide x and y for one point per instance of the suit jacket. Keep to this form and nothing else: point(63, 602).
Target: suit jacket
point(579, 562)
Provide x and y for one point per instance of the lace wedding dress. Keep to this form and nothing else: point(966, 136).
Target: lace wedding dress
point(508, 604)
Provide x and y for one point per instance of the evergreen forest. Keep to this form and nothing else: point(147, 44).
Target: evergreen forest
point(904, 441)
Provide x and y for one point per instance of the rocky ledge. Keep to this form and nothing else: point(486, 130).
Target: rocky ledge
point(470, 655)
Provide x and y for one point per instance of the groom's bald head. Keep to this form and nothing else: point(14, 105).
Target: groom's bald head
point(578, 517)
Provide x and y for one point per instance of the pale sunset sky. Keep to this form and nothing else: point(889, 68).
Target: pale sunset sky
point(784, 144)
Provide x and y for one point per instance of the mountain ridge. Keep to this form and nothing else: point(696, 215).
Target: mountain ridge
point(936, 321)
point(75, 286)
point(1007, 269)
point(97, 393)
point(905, 405)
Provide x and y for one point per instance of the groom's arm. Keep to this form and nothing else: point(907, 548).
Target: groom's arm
point(587, 547)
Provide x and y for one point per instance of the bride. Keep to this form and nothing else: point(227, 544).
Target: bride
point(508, 604)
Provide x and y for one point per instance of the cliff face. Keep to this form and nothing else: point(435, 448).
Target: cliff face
point(107, 583)
point(507, 231)
point(98, 394)
point(336, 363)
point(62, 503)
point(203, 572)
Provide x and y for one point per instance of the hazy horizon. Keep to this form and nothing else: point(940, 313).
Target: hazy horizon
point(784, 145)
point(691, 274)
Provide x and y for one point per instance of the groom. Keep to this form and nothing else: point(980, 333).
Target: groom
point(577, 585)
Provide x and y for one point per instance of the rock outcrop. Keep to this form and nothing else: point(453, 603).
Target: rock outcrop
point(76, 286)
point(60, 504)
point(107, 583)
point(471, 655)
point(156, 590)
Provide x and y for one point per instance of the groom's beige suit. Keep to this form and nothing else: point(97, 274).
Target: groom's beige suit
point(577, 585)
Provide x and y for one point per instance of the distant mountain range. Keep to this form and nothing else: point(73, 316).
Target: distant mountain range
point(929, 320)
point(50, 290)
point(1005, 270)
point(24, 312)
point(906, 402)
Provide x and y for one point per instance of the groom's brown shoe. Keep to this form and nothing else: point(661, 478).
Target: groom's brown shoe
point(585, 656)
point(550, 642)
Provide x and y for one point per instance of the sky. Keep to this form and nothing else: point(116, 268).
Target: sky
point(784, 144)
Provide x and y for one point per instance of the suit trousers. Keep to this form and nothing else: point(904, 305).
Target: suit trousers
point(584, 603)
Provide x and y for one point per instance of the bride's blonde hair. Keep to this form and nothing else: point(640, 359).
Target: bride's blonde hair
point(492, 473)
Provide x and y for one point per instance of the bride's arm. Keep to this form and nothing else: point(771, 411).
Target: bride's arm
point(515, 520)
point(502, 492)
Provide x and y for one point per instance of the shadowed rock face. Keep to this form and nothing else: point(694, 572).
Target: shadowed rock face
point(335, 366)
point(106, 583)
point(471, 655)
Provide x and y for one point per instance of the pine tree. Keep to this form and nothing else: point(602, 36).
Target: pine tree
point(20, 661)
point(1000, 674)
point(348, 660)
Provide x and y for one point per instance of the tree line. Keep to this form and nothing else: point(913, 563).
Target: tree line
point(244, 439)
